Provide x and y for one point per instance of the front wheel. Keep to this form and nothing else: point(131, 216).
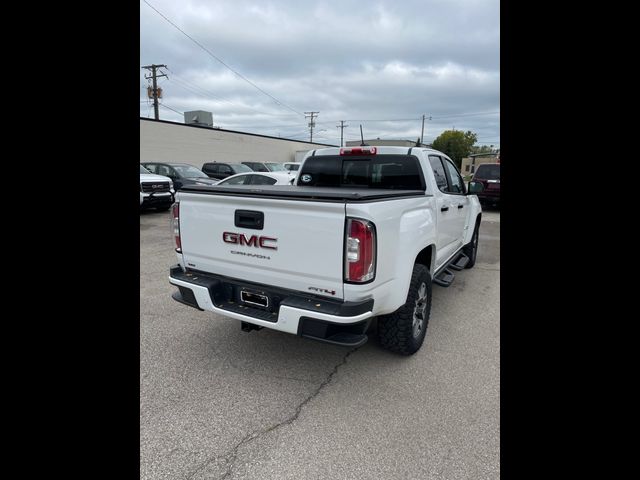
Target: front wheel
point(403, 331)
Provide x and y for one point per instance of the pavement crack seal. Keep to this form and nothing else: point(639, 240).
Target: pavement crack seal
point(231, 457)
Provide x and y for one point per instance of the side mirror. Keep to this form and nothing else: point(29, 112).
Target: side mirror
point(475, 187)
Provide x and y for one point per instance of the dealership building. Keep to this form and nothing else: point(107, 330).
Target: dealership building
point(195, 144)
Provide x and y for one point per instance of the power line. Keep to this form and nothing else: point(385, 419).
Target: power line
point(193, 88)
point(414, 118)
point(387, 120)
point(173, 109)
point(467, 114)
point(219, 60)
point(265, 126)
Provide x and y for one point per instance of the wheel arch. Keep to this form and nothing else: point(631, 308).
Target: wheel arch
point(427, 257)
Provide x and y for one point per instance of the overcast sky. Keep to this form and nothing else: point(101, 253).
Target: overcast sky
point(382, 64)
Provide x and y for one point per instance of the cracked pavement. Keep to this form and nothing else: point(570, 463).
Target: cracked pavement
point(216, 402)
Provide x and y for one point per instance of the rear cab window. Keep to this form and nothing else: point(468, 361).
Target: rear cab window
point(398, 172)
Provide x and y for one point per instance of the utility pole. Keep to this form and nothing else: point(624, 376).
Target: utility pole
point(341, 127)
point(422, 134)
point(155, 76)
point(311, 123)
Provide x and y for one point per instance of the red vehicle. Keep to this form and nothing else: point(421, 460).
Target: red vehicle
point(489, 175)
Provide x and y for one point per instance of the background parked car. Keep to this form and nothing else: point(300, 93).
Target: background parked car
point(255, 178)
point(223, 170)
point(489, 175)
point(181, 173)
point(265, 166)
point(156, 191)
point(291, 166)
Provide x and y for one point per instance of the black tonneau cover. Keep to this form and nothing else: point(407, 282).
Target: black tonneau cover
point(293, 192)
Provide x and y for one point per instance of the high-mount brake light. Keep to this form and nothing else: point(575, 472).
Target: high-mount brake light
point(358, 151)
point(359, 251)
point(175, 209)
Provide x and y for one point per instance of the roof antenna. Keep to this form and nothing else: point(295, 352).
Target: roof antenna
point(362, 138)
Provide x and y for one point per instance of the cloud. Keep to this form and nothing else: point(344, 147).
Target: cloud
point(347, 59)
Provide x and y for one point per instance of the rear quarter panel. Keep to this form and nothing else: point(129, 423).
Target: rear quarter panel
point(403, 227)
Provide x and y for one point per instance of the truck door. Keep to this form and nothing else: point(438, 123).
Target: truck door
point(458, 200)
point(445, 214)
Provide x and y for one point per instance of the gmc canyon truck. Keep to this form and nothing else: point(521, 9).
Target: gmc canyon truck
point(363, 234)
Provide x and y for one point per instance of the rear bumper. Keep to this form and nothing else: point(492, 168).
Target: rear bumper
point(342, 323)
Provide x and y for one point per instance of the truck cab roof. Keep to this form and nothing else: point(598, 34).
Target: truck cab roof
point(381, 150)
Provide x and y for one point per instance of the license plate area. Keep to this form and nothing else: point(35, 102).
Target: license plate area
point(254, 299)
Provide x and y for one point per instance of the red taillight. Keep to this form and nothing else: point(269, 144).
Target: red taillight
point(176, 226)
point(358, 151)
point(359, 251)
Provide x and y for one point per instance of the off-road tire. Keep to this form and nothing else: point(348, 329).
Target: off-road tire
point(396, 330)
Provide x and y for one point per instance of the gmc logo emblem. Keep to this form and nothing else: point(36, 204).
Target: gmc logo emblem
point(252, 241)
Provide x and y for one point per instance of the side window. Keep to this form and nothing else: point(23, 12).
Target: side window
point(211, 168)
point(241, 180)
point(457, 185)
point(164, 170)
point(225, 169)
point(438, 172)
point(261, 180)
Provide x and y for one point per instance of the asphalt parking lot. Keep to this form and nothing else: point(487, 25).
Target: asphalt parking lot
point(216, 402)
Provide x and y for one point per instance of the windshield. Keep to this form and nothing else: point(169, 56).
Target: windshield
point(143, 170)
point(292, 168)
point(275, 167)
point(240, 168)
point(189, 172)
point(488, 172)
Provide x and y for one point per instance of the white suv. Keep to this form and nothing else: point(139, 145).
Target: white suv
point(156, 191)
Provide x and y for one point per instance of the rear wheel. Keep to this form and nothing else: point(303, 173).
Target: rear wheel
point(403, 331)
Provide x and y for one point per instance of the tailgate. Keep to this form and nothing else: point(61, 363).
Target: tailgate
point(308, 235)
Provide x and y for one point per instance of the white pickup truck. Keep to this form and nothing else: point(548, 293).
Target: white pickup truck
point(156, 191)
point(362, 235)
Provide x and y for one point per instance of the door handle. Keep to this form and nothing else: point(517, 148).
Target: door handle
point(460, 206)
point(444, 209)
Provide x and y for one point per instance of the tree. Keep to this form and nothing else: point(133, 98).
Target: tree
point(456, 144)
point(483, 149)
